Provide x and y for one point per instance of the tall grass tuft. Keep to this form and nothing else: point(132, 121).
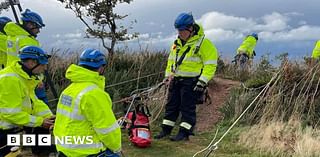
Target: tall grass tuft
point(285, 118)
point(136, 70)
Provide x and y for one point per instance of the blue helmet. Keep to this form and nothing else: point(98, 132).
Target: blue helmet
point(92, 58)
point(30, 16)
point(183, 21)
point(4, 19)
point(34, 52)
point(255, 35)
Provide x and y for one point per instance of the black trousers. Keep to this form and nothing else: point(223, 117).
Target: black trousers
point(40, 150)
point(182, 99)
point(4, 150)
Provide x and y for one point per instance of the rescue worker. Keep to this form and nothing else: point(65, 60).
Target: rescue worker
point(188, 76)
point(20, 35)
point(247, 47)
point(85, 110)
point(316, 53)
point(3, 42)
point(19, 106)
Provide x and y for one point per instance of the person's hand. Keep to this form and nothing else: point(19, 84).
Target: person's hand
point(48, 122)
point(53, 117)
point(200, 87)
point(168, 80)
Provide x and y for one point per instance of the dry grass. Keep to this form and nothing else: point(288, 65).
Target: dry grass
point(285, 119)
point(284, 139)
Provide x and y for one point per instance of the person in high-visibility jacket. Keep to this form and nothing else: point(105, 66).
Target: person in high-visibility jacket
point(248, 45)
point(3, 41)
point(85, 110)
point(316, 51)
point(20, 35)
point(187, 77)
point(19, 106)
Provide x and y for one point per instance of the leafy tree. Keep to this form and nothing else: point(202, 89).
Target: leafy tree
point(4, 5)
point(101, 21)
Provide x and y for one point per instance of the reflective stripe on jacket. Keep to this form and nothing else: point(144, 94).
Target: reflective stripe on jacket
point(203, 62)
point(85, 109)
point(17, 38)
point(19, 105)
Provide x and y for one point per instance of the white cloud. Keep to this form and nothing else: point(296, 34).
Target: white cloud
point(297, 34)
point(273, 27)
point(216, 20)
point(73, 35)
point(144, 36)
point(273, 22)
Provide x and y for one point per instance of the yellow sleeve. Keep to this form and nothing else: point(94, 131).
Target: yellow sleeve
point(209, 56)
point(316, 50)
point(98, 110)
point(11, 104)
point(171, 61)
point(40, 108)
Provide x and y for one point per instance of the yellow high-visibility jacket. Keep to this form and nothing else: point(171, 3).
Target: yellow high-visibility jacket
point(85, 109)
point(3, 50)
point(316, 51)
point(202, 62)
point(19, 105)
point(17, 38)
point(248, 46)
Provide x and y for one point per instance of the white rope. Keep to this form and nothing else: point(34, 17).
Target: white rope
point(215, 145)
point(208, 147)
point(120, 83)
point(145, 91)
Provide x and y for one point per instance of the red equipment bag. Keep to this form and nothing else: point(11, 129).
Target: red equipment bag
point(139, 129)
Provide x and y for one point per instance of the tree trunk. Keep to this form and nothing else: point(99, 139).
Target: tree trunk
point(110, 57)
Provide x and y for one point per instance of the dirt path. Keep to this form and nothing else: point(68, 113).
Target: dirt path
point(208, 114)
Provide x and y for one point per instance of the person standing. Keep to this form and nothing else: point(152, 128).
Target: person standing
point(191, 64)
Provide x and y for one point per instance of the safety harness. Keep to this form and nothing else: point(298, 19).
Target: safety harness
point(179, 62)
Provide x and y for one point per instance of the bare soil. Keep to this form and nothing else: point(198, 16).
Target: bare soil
point(208, 114)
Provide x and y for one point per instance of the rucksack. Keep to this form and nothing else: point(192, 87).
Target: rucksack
point(139, 129)
point(3, 21)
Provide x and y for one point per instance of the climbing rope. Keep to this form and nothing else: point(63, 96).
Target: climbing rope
point(120, 83)
point(135, 94)
point(211, 147)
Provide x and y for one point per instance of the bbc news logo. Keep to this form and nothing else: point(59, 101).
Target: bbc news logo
point(45, 140)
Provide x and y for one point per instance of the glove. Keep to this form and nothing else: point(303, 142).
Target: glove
point(200, 86)
point(109, 153)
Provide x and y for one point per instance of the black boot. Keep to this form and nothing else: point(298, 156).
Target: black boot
point(166, 130)
point(183, 134)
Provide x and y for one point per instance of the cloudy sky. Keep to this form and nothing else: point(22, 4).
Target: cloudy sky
point(290, 26)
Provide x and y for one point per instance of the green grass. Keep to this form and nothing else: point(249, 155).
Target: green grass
point(228, 147)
